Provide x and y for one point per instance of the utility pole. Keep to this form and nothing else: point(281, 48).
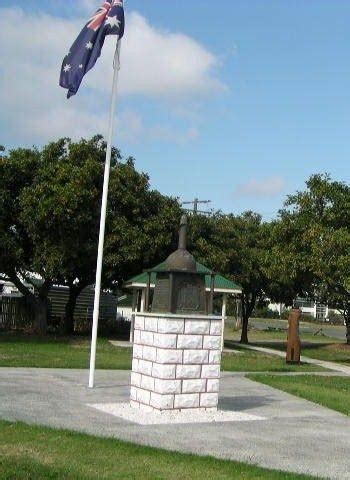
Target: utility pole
point(195, 204)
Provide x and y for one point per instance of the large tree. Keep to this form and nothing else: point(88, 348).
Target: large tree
point(18, 170)
point(62, 209)
point(60, 214)
point(238, 247)
point(314, 243)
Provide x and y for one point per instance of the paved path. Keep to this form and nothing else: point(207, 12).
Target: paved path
point(336, 367)
point(296, 435)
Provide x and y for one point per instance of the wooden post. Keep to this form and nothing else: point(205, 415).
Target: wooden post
point(293, 340)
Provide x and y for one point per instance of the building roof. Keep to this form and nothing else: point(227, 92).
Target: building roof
point(221, 284)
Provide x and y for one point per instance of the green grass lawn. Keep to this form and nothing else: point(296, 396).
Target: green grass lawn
point(326, 350)
point(335, 352)
point(331, 392)
point(30, 452)
point(313, 346)
point(251, 361)
point(276, 336)
point(51, 352)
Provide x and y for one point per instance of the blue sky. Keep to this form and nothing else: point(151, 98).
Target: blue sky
point(261, 101)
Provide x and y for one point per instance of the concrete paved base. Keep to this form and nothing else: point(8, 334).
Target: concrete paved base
point(121, 343)
point(196, 415)
point(295, 435)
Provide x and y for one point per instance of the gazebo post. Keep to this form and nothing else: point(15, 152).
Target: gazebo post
point(133, 308)
point(238, 321)
point(148, 291)
point(211, 297)
point(223, 316)
point(143, 300)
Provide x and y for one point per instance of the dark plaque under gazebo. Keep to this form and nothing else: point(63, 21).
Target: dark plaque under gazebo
point(180, 288)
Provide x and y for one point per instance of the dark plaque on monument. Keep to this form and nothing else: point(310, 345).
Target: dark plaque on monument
point(189, 294)
point(180, 288)
point(161, 293)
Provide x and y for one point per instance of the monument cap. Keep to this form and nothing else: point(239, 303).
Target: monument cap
point(181, 260)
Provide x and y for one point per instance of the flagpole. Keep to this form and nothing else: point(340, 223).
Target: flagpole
point(116, 67)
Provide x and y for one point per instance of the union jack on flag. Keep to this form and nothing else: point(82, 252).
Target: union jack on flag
point(108, 20)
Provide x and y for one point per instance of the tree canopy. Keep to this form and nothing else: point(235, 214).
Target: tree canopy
point(49, 220)
point(50, 217)
point(313, 243)
point(239, 248)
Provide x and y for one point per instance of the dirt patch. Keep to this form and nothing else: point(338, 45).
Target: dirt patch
point(338, 347)
point(79, 344)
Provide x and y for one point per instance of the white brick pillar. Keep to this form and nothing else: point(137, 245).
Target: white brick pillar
point(176, 362)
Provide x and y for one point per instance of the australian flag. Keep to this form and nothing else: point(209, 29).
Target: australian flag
point(108, 20)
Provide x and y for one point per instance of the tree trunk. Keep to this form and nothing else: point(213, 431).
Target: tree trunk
point(38, 303)
point(347, 324)
point(248, 305)
point(244, 334)
point(345, 311)
point(39, 307)
point(68, 323)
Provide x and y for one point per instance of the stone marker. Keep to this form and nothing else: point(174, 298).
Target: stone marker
point(293, 340)
point(177, 346)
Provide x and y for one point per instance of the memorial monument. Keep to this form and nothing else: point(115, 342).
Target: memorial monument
point(177, 354)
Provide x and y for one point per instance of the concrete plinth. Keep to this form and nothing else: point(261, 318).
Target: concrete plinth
point(176, 362)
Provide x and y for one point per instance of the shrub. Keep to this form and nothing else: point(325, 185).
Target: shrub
point(285, 313)
point(265, 312)
point(335, 318)
point(119, 328)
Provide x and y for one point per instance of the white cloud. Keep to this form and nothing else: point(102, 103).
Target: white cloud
point(88, 5)
point(134, 128)
point(156, 64)
point(162, 63)
point(264, 187)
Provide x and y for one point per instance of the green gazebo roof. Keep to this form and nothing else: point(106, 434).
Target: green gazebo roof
point(220, 284)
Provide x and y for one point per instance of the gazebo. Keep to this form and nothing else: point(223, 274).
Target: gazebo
point(143, 285)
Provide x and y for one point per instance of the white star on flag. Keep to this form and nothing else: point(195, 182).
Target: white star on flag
point(89, 45)
point(67, 68)
point(112, 22)
point(81, 65)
